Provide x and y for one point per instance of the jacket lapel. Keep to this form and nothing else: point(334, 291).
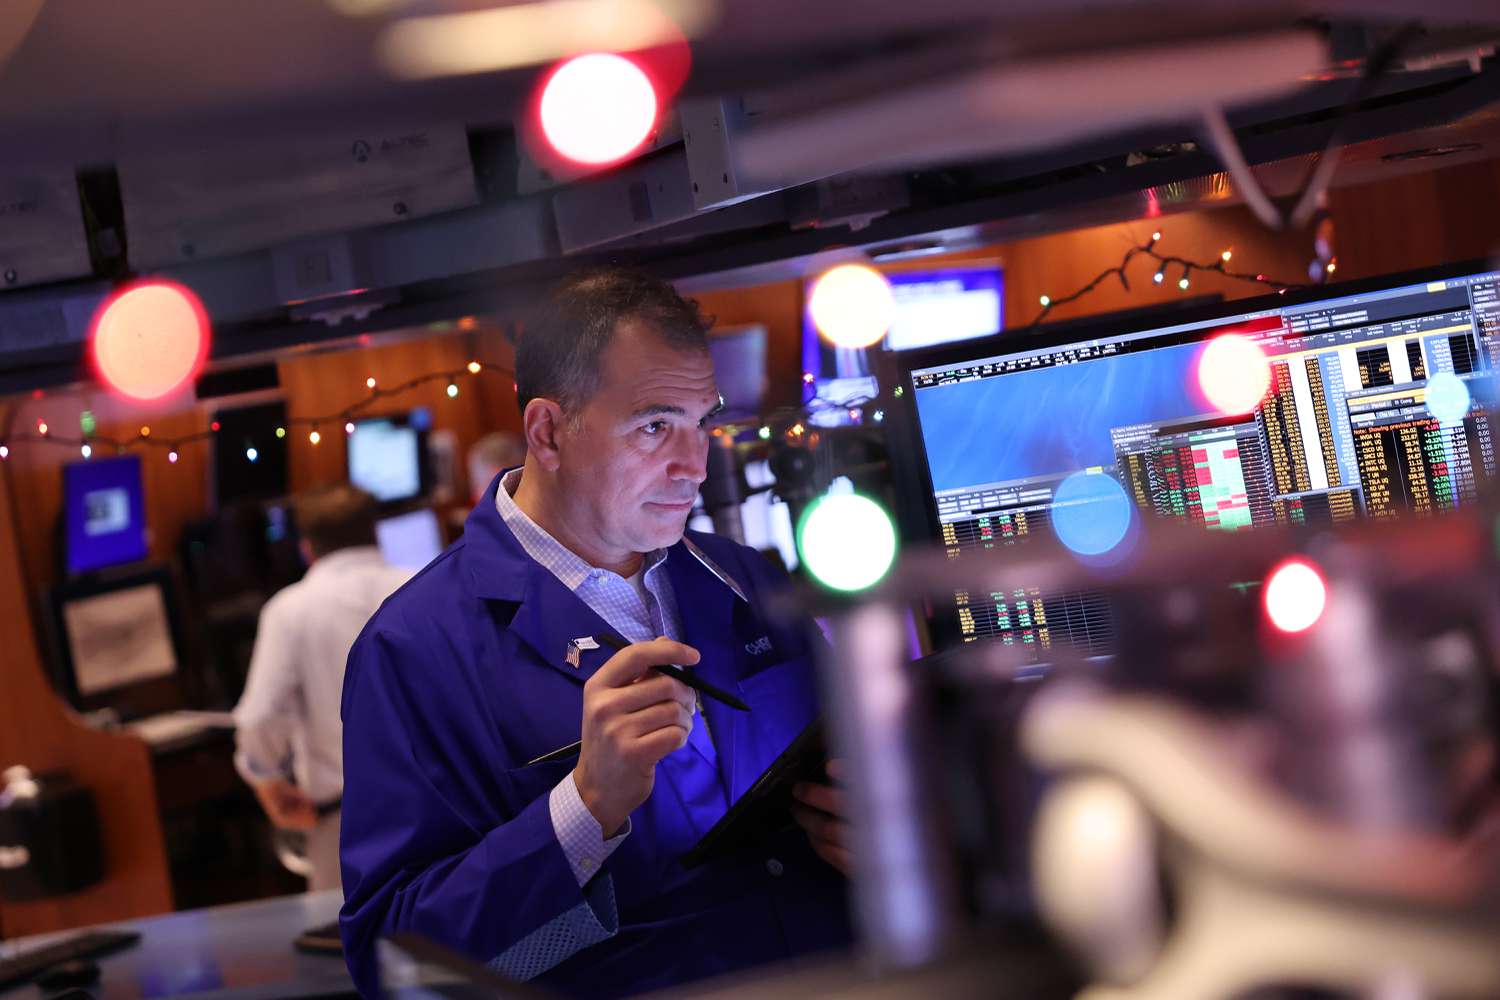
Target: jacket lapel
point(549, 620)
point(548, 615)
point(707, 607)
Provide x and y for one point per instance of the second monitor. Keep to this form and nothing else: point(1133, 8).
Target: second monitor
point(388, 457)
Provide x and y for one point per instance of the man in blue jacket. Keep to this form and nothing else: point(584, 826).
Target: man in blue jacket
point(567, 872)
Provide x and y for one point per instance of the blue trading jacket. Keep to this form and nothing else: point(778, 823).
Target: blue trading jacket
point(462, 677)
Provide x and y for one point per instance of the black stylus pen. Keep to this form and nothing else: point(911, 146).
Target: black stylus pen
point(673, 671)
point(687, 677)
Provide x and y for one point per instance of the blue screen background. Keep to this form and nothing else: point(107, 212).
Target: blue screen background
point(86, 552)
point(1052, 420)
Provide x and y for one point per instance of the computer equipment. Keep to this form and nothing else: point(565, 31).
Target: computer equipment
point(983, 433)
point(388, 458)
point(116, 635)
point(412, 540)
point(946, 305)
point(933, 306)
point(739, 356)
point(28, 965)
point(104, 513)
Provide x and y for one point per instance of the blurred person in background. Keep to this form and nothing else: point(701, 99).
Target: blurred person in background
point(288, 734)
point(490, 456)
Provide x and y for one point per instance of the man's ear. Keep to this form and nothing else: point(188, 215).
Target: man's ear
point(543, 425)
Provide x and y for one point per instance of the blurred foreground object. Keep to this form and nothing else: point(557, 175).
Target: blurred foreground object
point(1224, 804)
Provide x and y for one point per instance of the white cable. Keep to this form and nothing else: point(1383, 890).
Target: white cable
point(1312, 198)
point(1222, 138)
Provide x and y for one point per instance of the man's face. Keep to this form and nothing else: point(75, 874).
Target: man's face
point(632, 461)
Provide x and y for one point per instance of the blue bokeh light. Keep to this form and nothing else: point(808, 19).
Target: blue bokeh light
point(1448, 398)
point(1091, 513)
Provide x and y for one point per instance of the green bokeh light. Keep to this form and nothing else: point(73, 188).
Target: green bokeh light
point(846, 541)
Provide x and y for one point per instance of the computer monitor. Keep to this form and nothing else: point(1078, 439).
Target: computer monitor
point(945, 305)
point(388, 458)
point(412, 540)
point(985, 432)
point(934, 306)
point(115, 634)
point(739, 356)
point(104, 513)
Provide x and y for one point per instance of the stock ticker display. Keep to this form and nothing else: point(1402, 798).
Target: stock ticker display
point(1344, 432)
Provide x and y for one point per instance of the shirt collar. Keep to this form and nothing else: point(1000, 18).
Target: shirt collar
point(569, 567)
point(341, 558)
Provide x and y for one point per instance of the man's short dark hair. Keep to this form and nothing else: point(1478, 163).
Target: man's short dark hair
point(339, 517)
point(557, 357)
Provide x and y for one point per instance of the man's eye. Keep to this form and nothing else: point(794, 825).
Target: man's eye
point(654, 428)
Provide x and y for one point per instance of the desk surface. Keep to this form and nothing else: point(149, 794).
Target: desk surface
point(243, 951)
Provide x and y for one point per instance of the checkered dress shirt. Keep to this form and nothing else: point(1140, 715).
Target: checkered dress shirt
point(637, 618)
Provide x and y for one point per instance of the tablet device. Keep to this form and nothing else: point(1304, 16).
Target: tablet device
point(766, 807)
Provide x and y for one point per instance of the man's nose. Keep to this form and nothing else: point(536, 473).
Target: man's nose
point(691, 460)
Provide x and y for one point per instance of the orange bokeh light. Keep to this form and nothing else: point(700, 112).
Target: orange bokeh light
point(149, 339)
point(1233, 373)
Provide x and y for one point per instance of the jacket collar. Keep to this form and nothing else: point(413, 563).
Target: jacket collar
point(495, 566)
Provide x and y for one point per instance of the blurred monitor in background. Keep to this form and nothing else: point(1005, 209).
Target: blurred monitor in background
point(410, 540)
point(388, 457)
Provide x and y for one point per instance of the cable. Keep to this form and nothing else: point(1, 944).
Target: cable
point(1320, 176)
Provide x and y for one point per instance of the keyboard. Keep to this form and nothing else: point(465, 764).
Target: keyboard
point(158, 730)
point(24, 967)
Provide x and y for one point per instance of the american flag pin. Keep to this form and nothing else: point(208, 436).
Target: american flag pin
point(576, 648)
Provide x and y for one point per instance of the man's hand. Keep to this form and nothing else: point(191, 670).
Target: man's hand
point(822, 811)
point(286, 804)
point(632, 718)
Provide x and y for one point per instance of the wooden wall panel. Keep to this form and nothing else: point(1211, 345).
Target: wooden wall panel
point(313, 383)
point(38, 732)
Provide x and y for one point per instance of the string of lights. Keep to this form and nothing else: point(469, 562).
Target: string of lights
point(791, 422)
point(1167, 264)
point(88, 442)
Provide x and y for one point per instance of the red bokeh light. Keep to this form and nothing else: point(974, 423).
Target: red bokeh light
point(597, 109)
point(1295, 596)
point(149, 339)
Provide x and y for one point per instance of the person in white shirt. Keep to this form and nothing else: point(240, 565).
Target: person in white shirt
point(288, 734)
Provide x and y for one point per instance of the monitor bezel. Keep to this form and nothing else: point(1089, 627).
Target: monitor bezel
point(154, 694)
point(916, 508)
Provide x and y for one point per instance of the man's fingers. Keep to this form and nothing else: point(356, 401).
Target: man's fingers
point(655, 745)
point(836, 855)
point(649, 691)
point(837, 770)
point(658, 716)
point(634, 660)
point(825, 797)
point(820, 825)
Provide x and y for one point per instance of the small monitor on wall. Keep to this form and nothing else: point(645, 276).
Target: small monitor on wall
point(934, 305)
point(387, 458)
point(943, 306)
point(104, 512)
